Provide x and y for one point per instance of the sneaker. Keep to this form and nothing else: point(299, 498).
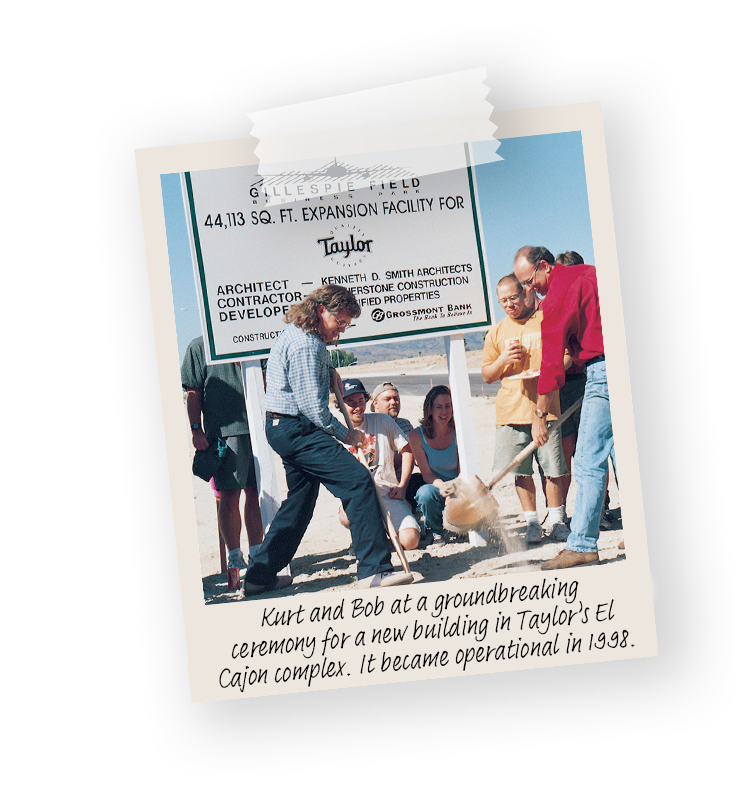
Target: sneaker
point(438, 538)
point(382, 580)
point(534, 533)
point(237, 561)
point(560, 532)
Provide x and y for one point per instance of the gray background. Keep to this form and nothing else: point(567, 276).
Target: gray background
point(672, 134)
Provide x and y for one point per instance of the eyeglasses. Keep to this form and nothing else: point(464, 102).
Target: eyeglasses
point(507, 300)
point(526, 284)
point(345, 325)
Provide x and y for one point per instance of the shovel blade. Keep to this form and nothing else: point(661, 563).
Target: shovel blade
point(470, 506)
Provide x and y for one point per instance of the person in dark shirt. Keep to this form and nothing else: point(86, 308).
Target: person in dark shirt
point(216, 408)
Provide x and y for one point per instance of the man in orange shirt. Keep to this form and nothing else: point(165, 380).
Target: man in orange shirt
point(511, 347)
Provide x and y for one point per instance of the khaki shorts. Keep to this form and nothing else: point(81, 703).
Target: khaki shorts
point(400, 512)
point(511, 439)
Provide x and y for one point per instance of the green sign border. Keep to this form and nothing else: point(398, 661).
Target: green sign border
point(351, 341)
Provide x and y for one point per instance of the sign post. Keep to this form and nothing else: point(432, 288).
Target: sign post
point(265, 470)
point(458, 380)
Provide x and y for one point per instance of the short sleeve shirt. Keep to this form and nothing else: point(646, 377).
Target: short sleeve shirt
point(383, 438)
point(405, 425)
point(516, 399)
point(224, 411)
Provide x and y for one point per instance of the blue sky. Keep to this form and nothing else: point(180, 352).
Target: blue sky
point(535, 196)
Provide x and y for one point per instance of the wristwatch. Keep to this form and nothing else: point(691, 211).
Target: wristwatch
point(540, 413)
point(196, 426)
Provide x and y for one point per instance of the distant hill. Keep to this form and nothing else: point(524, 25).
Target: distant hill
point(374, 353)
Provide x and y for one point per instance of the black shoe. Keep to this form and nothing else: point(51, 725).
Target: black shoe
point(279, 582)
point(452, 537)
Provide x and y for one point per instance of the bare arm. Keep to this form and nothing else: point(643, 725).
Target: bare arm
point(420, 457)
point(407, 466)
point(194, 410)
point(539, 425)
point(503, 364)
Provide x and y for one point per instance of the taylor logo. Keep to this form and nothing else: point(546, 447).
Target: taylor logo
point(346, 245)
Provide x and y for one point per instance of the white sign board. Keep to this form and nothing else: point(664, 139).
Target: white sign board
point(409, 247)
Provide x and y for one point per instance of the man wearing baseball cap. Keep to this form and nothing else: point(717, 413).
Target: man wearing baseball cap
point(383, 441)
point(386, 400)
point(572, 320)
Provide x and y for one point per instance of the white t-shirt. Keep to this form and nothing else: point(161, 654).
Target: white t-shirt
point(382, 438)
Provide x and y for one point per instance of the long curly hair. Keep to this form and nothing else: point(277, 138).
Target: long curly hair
point(426, 422)
point(335, 299)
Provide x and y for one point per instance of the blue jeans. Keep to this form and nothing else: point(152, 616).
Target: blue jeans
point(431, 504)
point(594, 446)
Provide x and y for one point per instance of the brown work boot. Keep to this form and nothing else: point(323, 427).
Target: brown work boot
point(568, 558)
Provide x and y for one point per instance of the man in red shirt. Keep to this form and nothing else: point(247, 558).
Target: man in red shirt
point(572, 320)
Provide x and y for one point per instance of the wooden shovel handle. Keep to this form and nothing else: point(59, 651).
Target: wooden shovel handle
point(529, 449)
point(387, 522)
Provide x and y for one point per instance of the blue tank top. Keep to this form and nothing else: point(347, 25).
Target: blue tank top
point(444, 463)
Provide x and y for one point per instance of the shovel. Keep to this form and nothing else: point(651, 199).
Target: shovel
point(470, 504)
point(387, 522)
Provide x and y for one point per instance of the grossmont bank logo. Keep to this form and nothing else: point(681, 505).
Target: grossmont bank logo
point(345, 245)
point(378, 315)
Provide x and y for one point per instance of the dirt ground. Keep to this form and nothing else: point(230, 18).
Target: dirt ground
point(323, 561)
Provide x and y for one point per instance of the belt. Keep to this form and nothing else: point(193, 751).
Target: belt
point(277, 415)
point(593, 360)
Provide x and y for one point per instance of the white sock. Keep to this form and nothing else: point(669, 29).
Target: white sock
point(531, 516)
point(235, 554)
point(252, 550)
point(555, 515)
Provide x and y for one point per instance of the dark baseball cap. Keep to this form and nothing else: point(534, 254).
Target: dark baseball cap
point(352, 386)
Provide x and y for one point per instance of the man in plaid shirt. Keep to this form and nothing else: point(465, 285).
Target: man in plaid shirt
point(302, 430)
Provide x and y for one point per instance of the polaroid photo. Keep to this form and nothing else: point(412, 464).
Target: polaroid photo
point(442, 541)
